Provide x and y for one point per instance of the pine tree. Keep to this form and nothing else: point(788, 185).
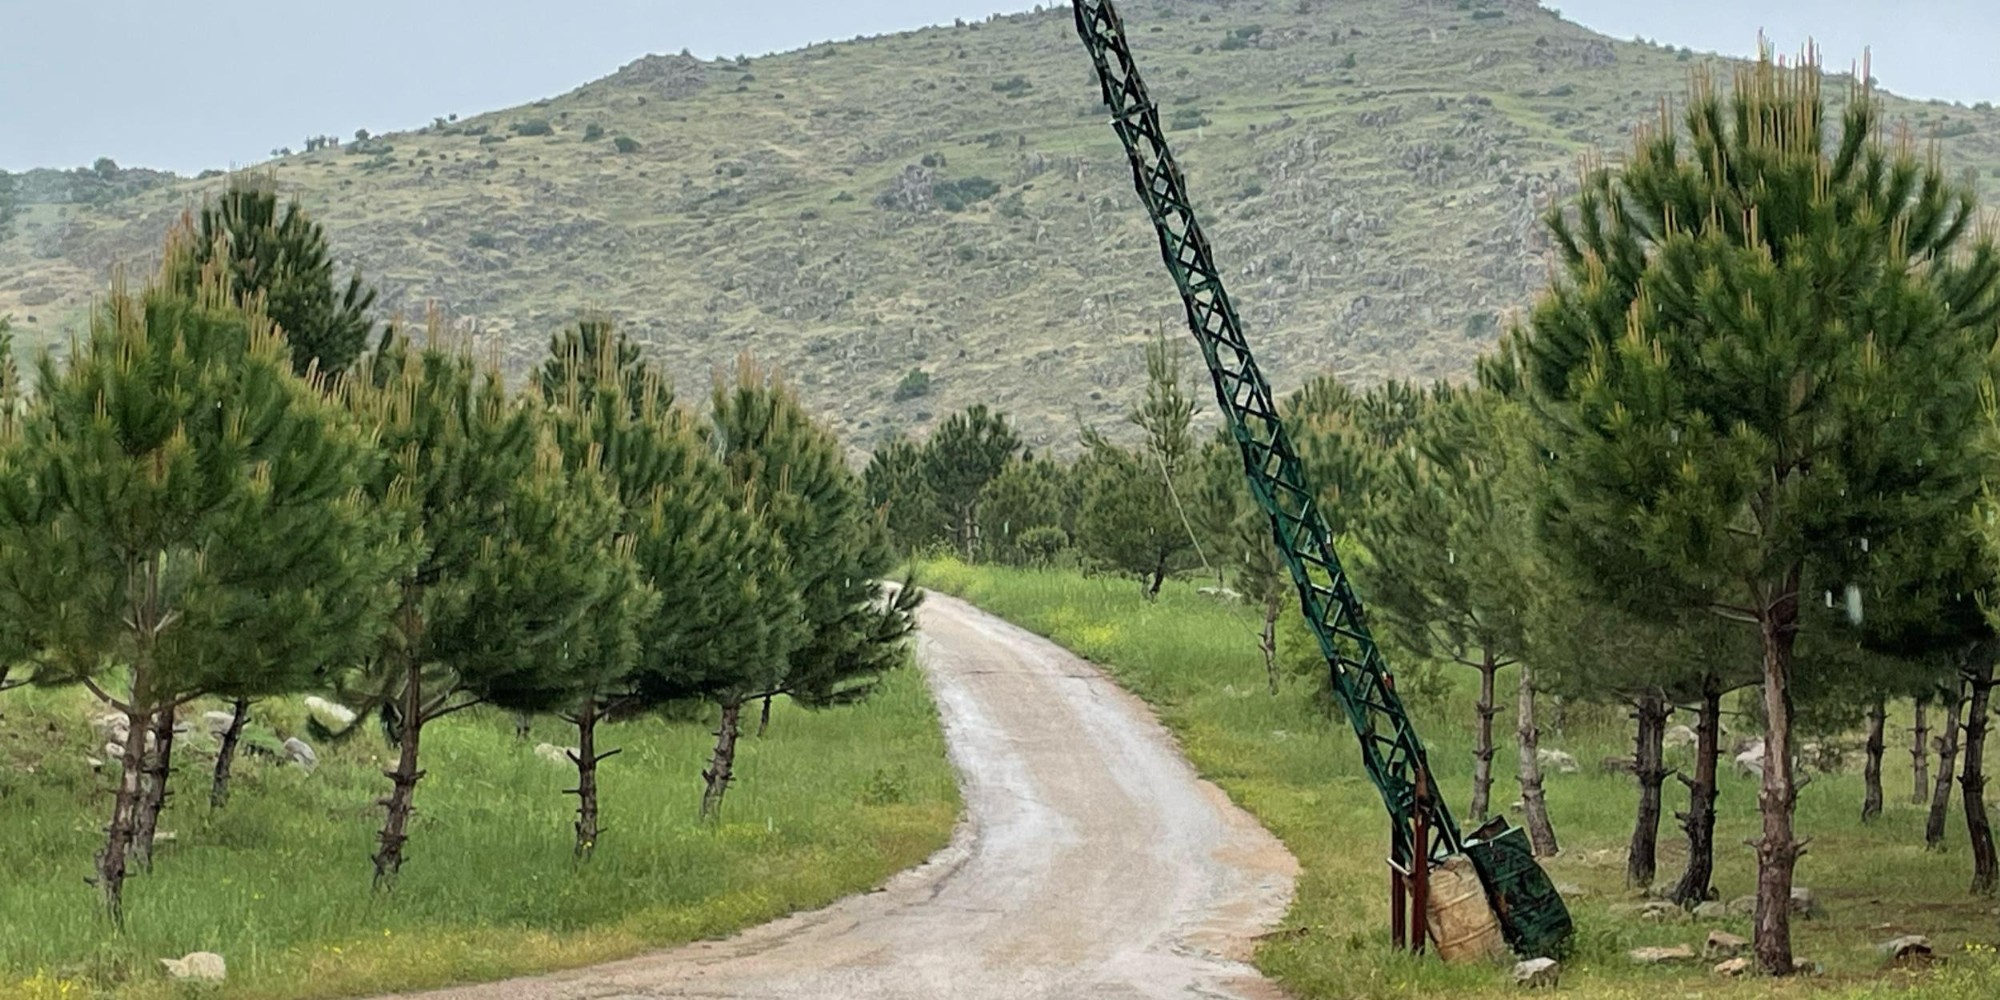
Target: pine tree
point(794, 471)
point(1134, 517)
point(724, 598)
point(180, 513)
point(282, 257)
point(1028, 512)
point(1757, 354)
point(901, 495)
point(1455, 575)
point(516, 568)
point(969, 449)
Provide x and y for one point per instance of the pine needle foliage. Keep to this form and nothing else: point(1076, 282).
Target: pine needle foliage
point(1764, 346)
point(281, 257)
point(180, 515)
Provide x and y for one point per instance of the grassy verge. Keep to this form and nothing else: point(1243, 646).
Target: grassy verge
point(1195, 660)
point(827, 804)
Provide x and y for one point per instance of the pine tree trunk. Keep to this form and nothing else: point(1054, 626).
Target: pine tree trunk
point(1540, 833)
point(1156, 578)
point(1482, 747)
point(403, 779)
point(1972, 782)
point(225, 756)
point(1558, 715)
point(1777, 850)
point(1920, 757)
point(1268, 642)
point(124, 805)
point(1696, 882)
point(1648, 754)
point(1871, 774)
point(159, 767)
point(586, 778)
point(1947, 746)
point(764, 716)
point(721, 766)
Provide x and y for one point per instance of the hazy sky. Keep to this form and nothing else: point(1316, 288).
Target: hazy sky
point(221, 82)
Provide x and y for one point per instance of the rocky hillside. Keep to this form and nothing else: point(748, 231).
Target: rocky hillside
point(951, 200)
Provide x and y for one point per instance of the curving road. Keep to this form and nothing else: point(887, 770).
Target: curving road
point(1093, 863)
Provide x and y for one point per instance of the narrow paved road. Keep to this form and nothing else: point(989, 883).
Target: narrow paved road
point(1093, 863)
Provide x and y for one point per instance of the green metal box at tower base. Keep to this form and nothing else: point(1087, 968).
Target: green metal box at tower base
point(1532, 914)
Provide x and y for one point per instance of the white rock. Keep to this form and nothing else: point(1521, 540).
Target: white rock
point(1907, 946)
point(1733, 967)
point(1721, 944)
point(299, 752)
point(1743, 906)
point(1750, 763)
point(111, 727)
point(198, 966)
point(552, 753)
point(218, 722)
point(1563, 762)
point(1537, 973)
point(1711, 910)
point(1804, 903)
point(1658, 956)
point(1678, 737)
point(332, 715)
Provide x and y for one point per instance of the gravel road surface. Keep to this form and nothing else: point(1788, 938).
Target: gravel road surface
point(1092, 864)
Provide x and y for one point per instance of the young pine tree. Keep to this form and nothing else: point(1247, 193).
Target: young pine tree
point(1134, 517)
point(900, 493)
point(282, 257)
point(1763, 347)
point(518, 566)
point(725, 605)
point(969, 449)
point(793, 471)
point(1027, 512)
point(181, 515)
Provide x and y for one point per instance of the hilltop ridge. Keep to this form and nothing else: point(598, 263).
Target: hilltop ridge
point(951, 200)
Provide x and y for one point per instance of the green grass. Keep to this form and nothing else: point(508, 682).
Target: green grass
point(827, 804)
point(1195, 660)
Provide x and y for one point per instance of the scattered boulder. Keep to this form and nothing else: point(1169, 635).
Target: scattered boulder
point(1711, 910)
point(1743, 906)
point(95, 764)
point(1537, 973)
point(299, 752)
point(1570, 890)
point(332, 715)
point(1750, 763)
point(197, 966)
point(218, 722)
point(1733, 967)
point(552, 753)
point(1907, 947)
point(1678, 737)
point(1661, 956)
point(1804, 903)
point(1220, 594)
point(1562, 761)
point(111, 727)
point(1722, 944)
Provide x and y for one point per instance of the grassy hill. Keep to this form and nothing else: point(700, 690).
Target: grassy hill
point(1372, 172)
